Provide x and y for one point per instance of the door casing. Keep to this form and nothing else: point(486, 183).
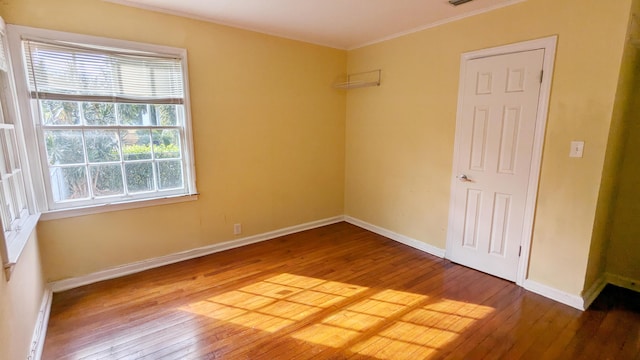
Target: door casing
point(549, 46)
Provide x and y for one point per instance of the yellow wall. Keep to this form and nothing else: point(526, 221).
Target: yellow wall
point(400, 136)
point(624, 249)
point(623, 257)
point(20, 300)
point(268, 133)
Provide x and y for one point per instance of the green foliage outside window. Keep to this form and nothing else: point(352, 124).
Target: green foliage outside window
point(66, 147)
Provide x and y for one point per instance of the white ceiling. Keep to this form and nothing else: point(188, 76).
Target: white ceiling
point(342, 24)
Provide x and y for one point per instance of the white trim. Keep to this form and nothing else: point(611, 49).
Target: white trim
point(588, 297)
point(40, 329)
point(574, 301)
point(67, 213)
point(592, 293)
point(623, 281)
point(190, 153)
point(416, 244)
point(15, 247)
point(437, 23)
point(143, 265)
point(549, 46)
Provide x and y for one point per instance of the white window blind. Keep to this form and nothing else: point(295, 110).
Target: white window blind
point(63, 71)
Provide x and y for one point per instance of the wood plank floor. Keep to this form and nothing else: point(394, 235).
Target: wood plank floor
point(334, 292)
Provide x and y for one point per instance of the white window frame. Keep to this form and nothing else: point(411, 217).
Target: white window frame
point(15, 239)
point(39, 168)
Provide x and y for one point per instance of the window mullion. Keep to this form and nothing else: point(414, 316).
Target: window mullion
point(154, 173)
point(86, 165)
point(123, 175)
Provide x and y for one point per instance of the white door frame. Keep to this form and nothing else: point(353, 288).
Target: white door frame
point(549, 46)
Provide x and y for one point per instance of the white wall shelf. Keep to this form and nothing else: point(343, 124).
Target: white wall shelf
point(360, 80)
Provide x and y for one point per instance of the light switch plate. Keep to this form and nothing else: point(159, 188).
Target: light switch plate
point(577, 148)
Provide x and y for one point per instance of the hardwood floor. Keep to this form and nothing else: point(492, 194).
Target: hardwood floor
point(332, 293)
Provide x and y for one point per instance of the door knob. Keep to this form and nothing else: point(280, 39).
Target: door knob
point(463, 178)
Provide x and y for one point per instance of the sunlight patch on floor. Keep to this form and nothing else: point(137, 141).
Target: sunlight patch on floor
point(423, 330)
point(328, 335)
point(387, 324)
point(274, 303)
point(352, 321)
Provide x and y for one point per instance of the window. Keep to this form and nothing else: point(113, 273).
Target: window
point(17, 215)
point(110, 118)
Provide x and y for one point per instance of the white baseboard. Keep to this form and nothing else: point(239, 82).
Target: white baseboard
point(589, 296)
point(40, 329)
point(574, 301)
point(579, 302)
point(622, 281)
point(592, 293)
point(417, 244)
point(139, 266)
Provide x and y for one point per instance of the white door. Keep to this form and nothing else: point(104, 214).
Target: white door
point(494, 142)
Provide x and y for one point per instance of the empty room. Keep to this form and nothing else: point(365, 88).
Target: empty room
point(255, 179)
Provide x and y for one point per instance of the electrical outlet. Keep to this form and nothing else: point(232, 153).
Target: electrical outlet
point(237, 229)
point(577, 148)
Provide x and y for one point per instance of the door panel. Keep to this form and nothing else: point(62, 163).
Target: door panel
point(494, 142)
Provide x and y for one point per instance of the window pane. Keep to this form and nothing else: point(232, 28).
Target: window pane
point(139, 176)
point(59, 112)
point(170, 174)
point(132, 114)
point(99, 113)
point(2, 105)
point(165, 115)
point(64, 146)
point(7, 202)
point(5, 210)
point(5, 163)
point(68, 183)
point(11, 153)
point(21, 196)
point(13, 193)
point(166, 144)
point(136, 144)
point(102, 145)
point(106, 179)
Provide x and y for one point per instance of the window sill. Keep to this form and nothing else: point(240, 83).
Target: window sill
point(89, 210)
point(18, 243)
